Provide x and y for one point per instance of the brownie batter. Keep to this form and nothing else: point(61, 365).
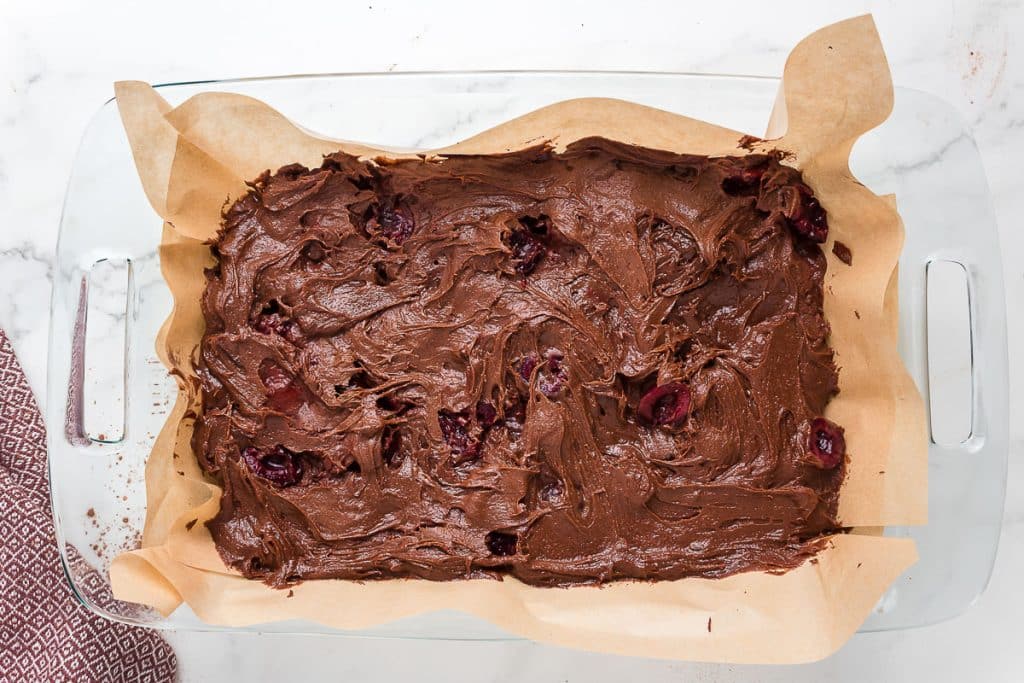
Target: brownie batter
point(573, 367)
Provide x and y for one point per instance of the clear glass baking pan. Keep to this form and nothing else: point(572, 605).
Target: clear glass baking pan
point(108, 395)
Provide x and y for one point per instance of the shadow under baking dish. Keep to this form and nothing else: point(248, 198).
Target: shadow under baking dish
point(108, 395)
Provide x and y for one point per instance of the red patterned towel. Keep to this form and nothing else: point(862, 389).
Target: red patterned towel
point(45, 633)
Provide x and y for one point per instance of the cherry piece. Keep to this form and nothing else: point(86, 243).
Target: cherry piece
point(280, 466)
point(808, 218)
point(283, 393)
point(392, 219)
point(526, 367)
point(486, 413)
point(666, 405)
point(501, 544)
point(842, 252)
point(272, 321)
point(453, 425)
point(746, 181)
point(267, 323)
point(527, 251)
point(528, 243)
point(826, 442)
point(552, 374)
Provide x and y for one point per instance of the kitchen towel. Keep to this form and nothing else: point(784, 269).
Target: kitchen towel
point(45, 633)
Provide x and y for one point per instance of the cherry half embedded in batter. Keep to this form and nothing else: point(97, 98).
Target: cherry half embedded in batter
point(454, 430)
point(392, 219)
point(501, 543)
point(272, 320)
point(827, 443)
point(666, 405)
point(527, 366)
point(268, 323)
point(746, 181)
point(486, 413)
point(808, 218)
point(528, 243)
point(527, 251)
point(551, 374)
point(279, 466)
point(283, 392)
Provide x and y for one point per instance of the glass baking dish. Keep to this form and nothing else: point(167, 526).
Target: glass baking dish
point(108, 394)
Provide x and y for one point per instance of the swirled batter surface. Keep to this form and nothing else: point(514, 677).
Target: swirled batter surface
point(569, 367)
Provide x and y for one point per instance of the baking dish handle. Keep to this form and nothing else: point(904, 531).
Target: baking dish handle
point(96, 410)
point(965, 328)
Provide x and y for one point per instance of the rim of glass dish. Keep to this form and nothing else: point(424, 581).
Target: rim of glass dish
point(465, 72)
point(506, 72)
point(163, 624)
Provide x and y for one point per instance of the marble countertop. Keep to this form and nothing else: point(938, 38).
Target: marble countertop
point(61, 58)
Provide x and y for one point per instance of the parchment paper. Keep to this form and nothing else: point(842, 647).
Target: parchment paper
point(836, 86)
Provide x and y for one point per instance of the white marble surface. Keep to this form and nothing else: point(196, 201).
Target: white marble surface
point(59, 59)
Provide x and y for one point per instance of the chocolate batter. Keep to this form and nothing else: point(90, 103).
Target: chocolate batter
point(570, 367)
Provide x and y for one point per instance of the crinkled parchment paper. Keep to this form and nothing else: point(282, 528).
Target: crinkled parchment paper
point(836, 87)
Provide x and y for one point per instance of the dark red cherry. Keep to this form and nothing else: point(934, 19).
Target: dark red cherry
point(666, 405)
point(808, 218)
point(745, 181)
point(464, 448)
point(392, 219)
point(526, 367)
point(486, 414)
point(552, 374)
point(501, 544)
point(272, 320)
point(279, 466)
point(527, 251)
point(528, 242)
point(827, 443)
point(284, 394)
